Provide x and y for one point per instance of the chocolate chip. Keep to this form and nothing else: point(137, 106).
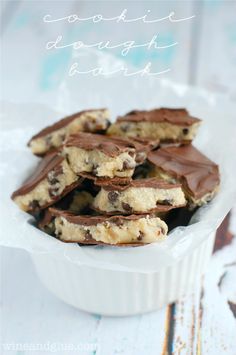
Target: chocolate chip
point(108, 123)
point(141, 235)
point(131, 154)
point(124, 127)
point(112, 196)
point(127, 207)
point(62, 136)
point(95, 169)
point(34, 204)
point(54, 181)
point(185, 131)
point(88, 235)
point(127, 165)
point(87, 126)
point(165, 202)
point(162, 230)
point(48, 141)
point(53, 191)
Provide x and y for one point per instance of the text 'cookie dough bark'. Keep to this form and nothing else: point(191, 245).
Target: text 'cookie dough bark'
point(139, 196)
point(99, 155)
point(113, 230)
point(53, 136)
point(168, 125)
point(199, 176)
point(52, 179)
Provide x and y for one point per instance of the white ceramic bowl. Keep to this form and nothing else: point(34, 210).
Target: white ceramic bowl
point(121, 293)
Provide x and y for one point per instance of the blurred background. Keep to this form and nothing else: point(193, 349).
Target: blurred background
point(205, 54)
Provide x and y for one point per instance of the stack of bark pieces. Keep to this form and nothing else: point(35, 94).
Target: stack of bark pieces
point(102, 183)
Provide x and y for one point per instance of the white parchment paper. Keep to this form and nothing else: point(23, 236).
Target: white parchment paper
point(216, 139)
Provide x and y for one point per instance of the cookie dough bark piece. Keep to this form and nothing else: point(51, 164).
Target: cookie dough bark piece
point(198, 175)
point(77, 202)
point(139, 196)
point(168, 125)
point(113, 230)
point(52, 179)
point(100, 156)
point(53, 136)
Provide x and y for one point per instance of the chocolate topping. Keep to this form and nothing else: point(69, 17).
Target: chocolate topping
point(141, 144)
point(88, 220)
point(62, 123)
point(198, 174)
point(159, 208)
point(154, 183)
point(108, 145)
point(178, 116)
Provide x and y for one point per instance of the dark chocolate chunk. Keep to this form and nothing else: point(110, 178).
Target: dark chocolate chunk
point(185, 131)
point(112, 196)
point(127, 165)
point(140, 236)
point(88, 235)
point(34, 205)
point(125, 127)
point(126, 207)
point(53, 181)
point(165, 202)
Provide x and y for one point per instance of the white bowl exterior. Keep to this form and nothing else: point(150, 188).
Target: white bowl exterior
point(121, 293)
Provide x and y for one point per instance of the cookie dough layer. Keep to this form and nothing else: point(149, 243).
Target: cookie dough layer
point(53, 136)
point(102, 156)
point(99, 163)
point(165, 124)
point(198, 175)
point(143, 196)
point(46, 187)
point(113, 230)
point(155, 130)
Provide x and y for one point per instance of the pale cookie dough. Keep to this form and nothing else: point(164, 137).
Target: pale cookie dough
point(53, 136)
point(52, 179)
point(109, 230)
point(100, 156)
point(167, 125)
point(140, 196)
